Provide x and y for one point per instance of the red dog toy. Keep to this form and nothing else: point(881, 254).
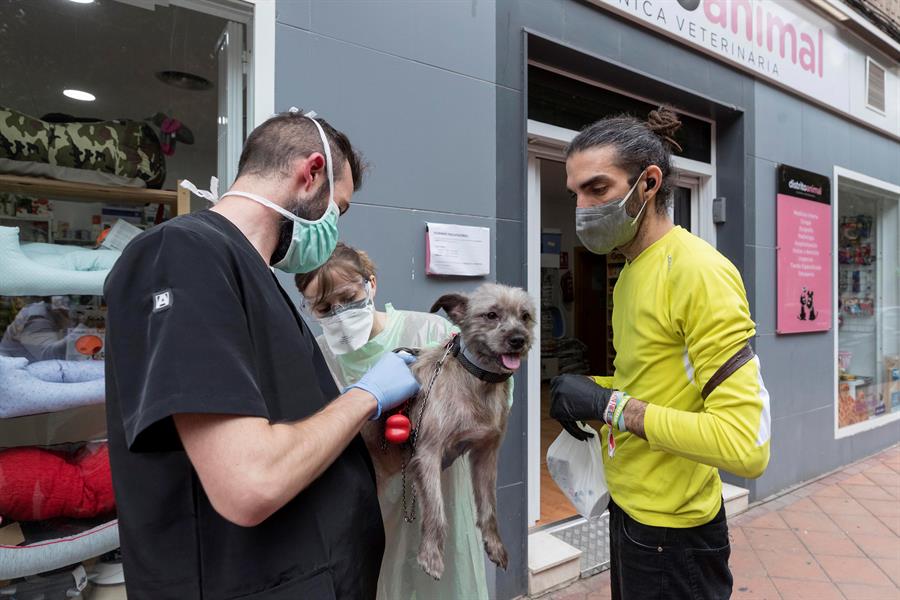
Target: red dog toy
point(396, 428)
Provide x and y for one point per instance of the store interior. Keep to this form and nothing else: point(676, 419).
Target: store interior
point(105, 106)
point(868, 322)
point(576, 303)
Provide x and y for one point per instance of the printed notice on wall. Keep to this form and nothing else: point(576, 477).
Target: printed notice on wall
point(803, 213)
point(457, 250)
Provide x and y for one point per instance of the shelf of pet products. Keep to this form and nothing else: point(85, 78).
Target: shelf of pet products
point(179, 200)
point(28, 218)
point(57, 508)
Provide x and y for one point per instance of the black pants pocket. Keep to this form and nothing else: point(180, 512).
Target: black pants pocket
point(709, 573)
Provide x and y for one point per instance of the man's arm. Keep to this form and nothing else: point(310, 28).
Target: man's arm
point(250, 468)
point(709, 306)
point(731, 432)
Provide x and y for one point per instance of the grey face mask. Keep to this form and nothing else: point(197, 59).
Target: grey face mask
point(602, 228)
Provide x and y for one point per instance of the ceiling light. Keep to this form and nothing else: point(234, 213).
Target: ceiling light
point(184, 80)
point(82, 1)
point(79, 95)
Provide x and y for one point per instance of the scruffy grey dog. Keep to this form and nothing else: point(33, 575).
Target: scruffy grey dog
point(464, 413)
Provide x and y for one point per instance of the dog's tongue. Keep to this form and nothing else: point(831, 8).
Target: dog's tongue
point(511, 361)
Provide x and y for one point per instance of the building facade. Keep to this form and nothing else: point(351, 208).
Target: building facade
point(462, 109)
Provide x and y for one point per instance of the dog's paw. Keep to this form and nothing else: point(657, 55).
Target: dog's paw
point(431, 559)
point(496, 551)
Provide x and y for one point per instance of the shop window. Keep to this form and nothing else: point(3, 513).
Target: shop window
point(104, 107)
point(868, 281)
point(567, 102)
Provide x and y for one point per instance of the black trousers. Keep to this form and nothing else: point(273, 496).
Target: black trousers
point(665, 563)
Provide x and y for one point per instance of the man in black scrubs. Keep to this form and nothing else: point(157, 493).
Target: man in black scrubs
point(237, 464)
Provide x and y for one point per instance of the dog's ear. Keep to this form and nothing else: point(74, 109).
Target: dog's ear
point(455, 305)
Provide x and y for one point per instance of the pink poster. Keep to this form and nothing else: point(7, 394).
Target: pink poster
point(804, 253)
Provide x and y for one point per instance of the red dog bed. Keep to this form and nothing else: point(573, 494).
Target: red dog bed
point(38, 483)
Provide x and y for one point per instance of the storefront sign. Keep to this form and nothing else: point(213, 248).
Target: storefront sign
point(803, 216)
point(761, 36)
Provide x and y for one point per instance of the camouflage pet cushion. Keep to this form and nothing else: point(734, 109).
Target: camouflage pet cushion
point(125, 148)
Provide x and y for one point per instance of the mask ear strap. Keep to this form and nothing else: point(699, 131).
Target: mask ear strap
point(329, 164)
point(211, 195)
point(644, 205)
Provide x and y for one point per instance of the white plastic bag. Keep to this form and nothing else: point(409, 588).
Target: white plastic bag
point(577, 468)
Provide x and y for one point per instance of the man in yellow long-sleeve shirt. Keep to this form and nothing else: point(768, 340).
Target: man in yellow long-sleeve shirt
point(687, 397)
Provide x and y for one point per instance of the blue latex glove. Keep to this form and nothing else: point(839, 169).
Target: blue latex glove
point(390, 381)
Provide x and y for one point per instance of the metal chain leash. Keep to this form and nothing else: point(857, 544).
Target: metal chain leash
point(409, 509)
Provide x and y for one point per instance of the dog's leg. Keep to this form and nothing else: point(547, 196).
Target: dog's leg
point(426, 468)
point(484, 484)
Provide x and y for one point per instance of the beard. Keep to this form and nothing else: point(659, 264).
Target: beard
point(310, 210)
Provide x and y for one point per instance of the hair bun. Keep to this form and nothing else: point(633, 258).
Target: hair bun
point(665, 123)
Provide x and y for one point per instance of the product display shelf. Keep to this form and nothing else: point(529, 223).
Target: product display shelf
point(179, 201)
point(82, 423)
point(31, 218)
point(30, 222)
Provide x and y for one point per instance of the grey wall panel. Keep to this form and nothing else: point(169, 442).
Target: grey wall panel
point(764, 205)
point(511, 155)
point(428, 133)
point(510, 254)
point(692, 74)
point(873, 154)
point(592, 29)
point(450, 34)
point(763, 309)
point(731, 166)
point(513, 465)
point(797, 385)
point(778, 131)
point(825, 141)
point(546, 16)
point(512, 501)
point(295, 13)
point(800, 134)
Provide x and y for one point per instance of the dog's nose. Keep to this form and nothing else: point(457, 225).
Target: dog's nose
point(516, 342)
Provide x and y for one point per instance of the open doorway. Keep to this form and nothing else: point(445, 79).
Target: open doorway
point(576, 297)
point(575, 287)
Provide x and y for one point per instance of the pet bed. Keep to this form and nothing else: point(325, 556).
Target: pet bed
point(39, 556)
point(126, 149)
point(48, 386)
point(70, 258)
point(80, 271)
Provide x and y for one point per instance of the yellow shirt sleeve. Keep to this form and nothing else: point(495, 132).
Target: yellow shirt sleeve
point(708, 306)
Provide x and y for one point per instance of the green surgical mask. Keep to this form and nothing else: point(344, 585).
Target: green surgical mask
point(312, 242)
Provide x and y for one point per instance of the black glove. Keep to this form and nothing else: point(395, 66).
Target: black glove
point(577, 398)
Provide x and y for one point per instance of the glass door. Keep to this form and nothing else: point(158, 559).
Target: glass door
point(230, 121)
point(684, 208)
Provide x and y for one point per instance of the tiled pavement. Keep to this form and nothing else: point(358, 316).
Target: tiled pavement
point(834, 538)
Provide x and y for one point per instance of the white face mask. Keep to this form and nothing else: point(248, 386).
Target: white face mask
point(348, 330)
point(346, 326)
